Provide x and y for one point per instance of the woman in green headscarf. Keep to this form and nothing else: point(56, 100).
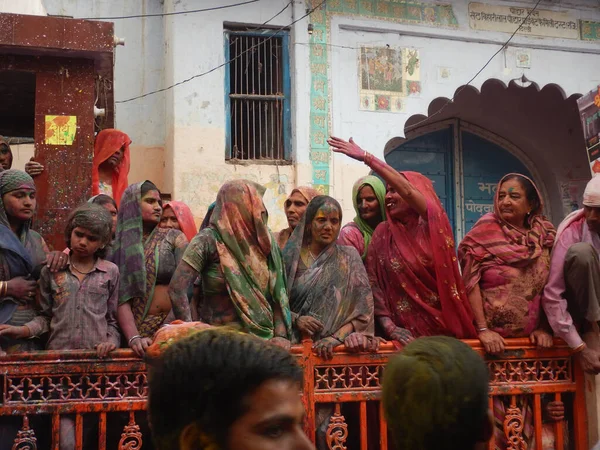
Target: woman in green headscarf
point(368, 197)
point(241, 268)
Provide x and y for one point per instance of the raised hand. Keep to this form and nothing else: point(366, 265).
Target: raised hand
point(33, 168)
point(349, 148)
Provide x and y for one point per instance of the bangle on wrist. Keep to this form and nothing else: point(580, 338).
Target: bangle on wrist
point(581, 347)
point(133, 338)
point(482, 329)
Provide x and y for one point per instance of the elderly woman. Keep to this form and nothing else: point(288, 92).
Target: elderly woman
point(147, 257)
point(237, 258)
point(506, 260)
point(21, 259)
point(368, 197)
point(177, 215)
point(330, 296)
point(411, 262)
point(294, 207)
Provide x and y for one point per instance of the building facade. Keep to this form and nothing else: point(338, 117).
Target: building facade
point(258, 87)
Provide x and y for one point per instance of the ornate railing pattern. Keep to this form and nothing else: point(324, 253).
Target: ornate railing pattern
point(53, 384)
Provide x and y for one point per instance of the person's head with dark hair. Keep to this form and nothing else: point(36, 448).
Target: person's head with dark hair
point(435, 396)
point(148, 186)
point(323, 221)
point(89, 230)
point(221, 389)
point(108, 203)
point(6, 156)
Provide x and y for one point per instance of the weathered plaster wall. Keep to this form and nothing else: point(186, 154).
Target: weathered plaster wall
point(195, 110)
point(570, 64)
point(32, 7)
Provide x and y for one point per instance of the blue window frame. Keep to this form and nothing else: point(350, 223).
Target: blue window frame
point(257, 95)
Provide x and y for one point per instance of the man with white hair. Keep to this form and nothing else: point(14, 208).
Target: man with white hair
point(571, 297)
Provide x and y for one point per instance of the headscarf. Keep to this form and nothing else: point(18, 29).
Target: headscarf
point(129, 254)
point(591, 195)
point(438, 301)
point(209, 212)
point(335, 289)
point(493, 241)
point(108, 142)
point(4, 141)
point(249, 257)
point(184, 217)
point(379, 188)
point(12, 180)
point(308, 193)
point(16, 251)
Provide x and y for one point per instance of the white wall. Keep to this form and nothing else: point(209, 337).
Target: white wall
point(463, 51)
point(31, 7)
point(195, 110)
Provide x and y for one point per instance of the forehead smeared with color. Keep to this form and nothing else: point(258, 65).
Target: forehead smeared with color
point(327, 209)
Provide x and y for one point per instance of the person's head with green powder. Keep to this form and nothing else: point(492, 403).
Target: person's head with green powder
point(435, 396)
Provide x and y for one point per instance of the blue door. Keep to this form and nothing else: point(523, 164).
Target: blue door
point(483, 164)
point(431, 155)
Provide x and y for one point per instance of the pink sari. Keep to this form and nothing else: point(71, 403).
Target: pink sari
point(414, 271)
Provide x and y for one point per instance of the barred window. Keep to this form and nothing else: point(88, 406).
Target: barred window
point(258, 96)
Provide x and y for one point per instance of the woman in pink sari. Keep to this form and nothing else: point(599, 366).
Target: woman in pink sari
point(506, 261)
point(411, 260)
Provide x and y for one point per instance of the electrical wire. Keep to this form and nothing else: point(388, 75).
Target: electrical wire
point(476, 75)
point(175, 13)
point(226, 63)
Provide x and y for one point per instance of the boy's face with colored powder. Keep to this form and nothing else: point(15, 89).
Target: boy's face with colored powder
point(84, 244)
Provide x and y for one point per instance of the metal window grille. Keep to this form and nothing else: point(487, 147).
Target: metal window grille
point(258, 96)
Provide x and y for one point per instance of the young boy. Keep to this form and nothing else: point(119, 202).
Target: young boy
point(78, 304)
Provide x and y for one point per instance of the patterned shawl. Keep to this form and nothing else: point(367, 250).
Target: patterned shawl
point(20, 254)
point(379, 188)
point(335, 288)
point(249, 257)
point(493, 241)
point(108, 142)
point(308, 193)
point(418, 256)
point(184, 217)
point(131, 253)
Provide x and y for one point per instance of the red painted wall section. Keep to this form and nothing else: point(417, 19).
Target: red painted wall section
point(67, 56)
point(68, 90)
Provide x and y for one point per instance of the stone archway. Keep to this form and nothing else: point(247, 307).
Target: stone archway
point(543, 124)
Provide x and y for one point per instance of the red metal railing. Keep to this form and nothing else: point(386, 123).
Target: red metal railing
point(346, 389)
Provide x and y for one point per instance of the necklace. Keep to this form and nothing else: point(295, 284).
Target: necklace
point(80, 271)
